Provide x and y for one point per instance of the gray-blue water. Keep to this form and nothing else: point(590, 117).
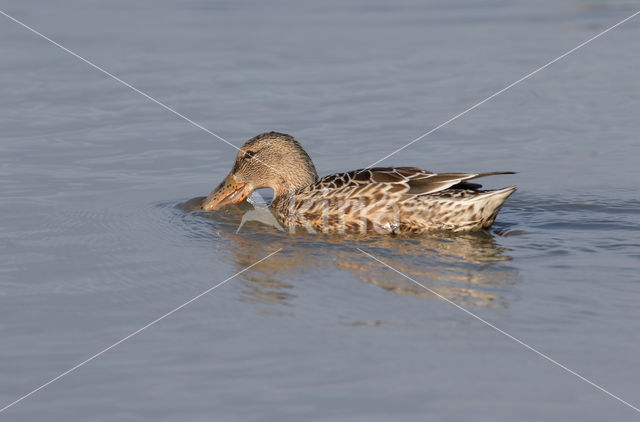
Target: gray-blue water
point(94, 243)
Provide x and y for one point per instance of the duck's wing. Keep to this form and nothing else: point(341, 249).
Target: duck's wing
point(402, 180)
point(422, 184)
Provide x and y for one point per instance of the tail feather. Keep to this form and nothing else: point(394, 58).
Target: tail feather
point(489, 204)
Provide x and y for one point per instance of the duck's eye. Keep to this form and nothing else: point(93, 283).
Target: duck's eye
point(248, 155)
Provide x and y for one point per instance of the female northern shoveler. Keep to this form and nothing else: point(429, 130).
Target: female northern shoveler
point(393, 200)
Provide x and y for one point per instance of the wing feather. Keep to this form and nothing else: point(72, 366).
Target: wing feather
point(413, 180)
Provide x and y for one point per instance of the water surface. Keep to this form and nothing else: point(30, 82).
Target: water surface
point(94, 242)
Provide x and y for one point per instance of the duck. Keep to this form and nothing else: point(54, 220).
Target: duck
point(385, 200)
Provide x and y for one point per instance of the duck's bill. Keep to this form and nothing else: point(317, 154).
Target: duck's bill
point(227, 193)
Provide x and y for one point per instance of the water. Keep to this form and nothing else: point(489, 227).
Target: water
point(95, 242)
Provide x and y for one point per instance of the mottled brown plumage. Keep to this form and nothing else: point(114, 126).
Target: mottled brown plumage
point(396, 200)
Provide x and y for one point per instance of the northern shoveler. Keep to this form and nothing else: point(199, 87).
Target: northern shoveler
point(395, 200)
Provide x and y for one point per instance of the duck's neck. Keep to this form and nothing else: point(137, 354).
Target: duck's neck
point(284, 195)
point(291, 180)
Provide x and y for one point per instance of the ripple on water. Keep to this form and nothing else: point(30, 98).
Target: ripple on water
point(66, 249)
point(468, 268)
point(577, 224)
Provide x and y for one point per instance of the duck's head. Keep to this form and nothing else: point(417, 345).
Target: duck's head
point(270, 160)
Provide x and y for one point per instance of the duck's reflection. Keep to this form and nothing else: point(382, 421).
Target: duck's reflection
point(470, 269)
